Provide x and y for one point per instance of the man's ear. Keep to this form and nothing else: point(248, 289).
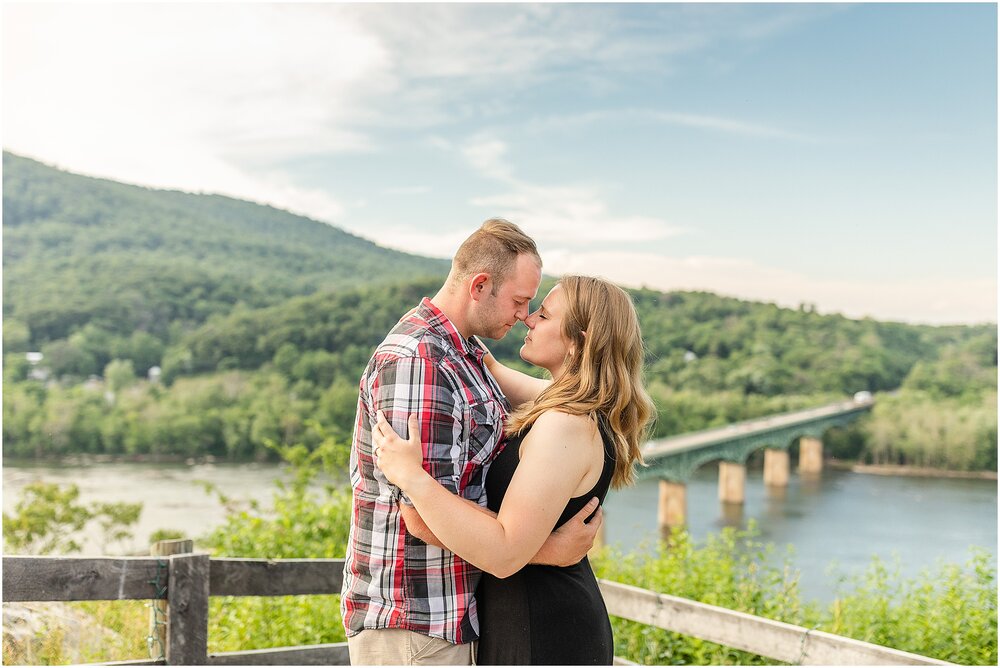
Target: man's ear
point(479, 286)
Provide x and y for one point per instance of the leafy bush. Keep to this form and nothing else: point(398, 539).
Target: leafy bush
point(949, 613)
point(48, 516)
point(729, 570)
point(305, 520)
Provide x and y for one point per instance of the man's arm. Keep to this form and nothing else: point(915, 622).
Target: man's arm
point(416, 386)
point(565, 546)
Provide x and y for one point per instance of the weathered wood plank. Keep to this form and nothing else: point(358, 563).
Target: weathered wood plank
point(287, 577)
point(766, 637)
point(159, 610)
point(187, 621)
point(78, 578)
point(334, 654)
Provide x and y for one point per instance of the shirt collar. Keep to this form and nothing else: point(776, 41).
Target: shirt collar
point(440, 323)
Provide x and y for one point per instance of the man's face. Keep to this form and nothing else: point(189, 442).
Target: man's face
point(498, 313)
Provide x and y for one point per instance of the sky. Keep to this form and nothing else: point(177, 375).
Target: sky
point(843, 156)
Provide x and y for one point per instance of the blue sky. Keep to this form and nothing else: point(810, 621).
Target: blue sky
point(841, 155)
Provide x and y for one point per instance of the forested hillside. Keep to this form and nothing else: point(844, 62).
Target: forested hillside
point(262, 322)
point(92, 262)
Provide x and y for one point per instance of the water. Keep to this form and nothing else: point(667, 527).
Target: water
point(174, 496)
point(841, 518)
point(835, 523)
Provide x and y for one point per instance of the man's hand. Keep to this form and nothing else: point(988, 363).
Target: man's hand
point(415, 525)
point(570, 543)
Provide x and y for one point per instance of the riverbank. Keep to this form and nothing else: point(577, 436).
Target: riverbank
point(909, 471)
point(87, 459)
point(90, 459)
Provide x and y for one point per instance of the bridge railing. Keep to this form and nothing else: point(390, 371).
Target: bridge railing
point(186, 581)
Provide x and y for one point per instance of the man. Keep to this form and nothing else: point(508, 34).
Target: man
point(406, 599)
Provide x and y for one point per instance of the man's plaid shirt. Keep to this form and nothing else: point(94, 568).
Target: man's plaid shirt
point(392, 579)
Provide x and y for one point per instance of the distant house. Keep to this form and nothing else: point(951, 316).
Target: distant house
point(154, 374)
point(36, 372)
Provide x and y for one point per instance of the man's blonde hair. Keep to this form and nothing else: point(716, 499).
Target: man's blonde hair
point(492, 249)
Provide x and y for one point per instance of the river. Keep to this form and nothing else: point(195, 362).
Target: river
point(835, 524)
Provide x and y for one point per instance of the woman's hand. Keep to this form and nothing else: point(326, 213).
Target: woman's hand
point(401, 461)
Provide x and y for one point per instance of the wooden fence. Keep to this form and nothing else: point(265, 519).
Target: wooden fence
point(186, 581)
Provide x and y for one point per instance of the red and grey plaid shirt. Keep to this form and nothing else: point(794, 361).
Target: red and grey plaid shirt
point(392, 579)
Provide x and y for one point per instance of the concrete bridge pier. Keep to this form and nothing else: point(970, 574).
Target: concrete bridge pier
point(776, 467)
point(672, 511)
point(810, 455)
point(732, 482)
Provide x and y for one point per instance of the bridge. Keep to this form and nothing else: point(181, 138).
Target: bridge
point(673, 460)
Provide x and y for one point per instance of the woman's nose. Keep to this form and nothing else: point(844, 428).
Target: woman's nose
point(531, 319)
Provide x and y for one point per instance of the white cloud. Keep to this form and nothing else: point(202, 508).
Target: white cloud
point(407, 190)
point(931, 301)
point(721, 124)
point(189, 96)
point(400, 237)
point(212, 97)
point(487, 155)
point(572, 215)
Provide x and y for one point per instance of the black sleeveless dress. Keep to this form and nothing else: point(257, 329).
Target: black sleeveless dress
point(544, 615)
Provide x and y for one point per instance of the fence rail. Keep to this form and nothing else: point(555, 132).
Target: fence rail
point(758, 635)
point(191, 579)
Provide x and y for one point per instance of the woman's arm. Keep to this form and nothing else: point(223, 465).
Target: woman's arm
point(518, 387)
point(554, 460)
point(563, 547)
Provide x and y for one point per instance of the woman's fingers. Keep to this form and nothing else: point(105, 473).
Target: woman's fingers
point(383, 430)
point(414, 425)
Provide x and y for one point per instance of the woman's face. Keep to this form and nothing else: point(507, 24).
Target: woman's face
point(544, 346)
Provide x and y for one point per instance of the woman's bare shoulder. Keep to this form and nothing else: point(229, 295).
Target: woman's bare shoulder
point(566, 424)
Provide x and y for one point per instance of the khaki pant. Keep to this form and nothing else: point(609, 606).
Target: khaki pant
point(399, 647)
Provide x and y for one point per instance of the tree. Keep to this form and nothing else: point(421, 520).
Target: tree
point(119, 374)
point(48, 516)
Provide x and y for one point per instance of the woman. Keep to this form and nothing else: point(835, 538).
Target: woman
point(568, 440)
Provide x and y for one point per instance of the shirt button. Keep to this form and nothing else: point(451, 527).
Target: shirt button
point(456, 451)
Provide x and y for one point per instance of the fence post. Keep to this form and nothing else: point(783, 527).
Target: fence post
point(158, 611)
point(187, 620)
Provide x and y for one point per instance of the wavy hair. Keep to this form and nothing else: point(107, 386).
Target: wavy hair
point(603, 378)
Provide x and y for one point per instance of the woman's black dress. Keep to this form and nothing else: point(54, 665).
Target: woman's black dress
point(544, 615)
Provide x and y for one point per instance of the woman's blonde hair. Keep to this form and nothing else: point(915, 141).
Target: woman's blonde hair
point(603, 375)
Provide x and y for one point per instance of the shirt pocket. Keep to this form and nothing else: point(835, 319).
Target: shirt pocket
point(485, 431)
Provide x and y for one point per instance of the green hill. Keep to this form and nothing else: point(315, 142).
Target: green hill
point(122, 258)
point(262, 322)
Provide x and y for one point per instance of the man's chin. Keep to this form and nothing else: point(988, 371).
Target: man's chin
point(498, 334)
